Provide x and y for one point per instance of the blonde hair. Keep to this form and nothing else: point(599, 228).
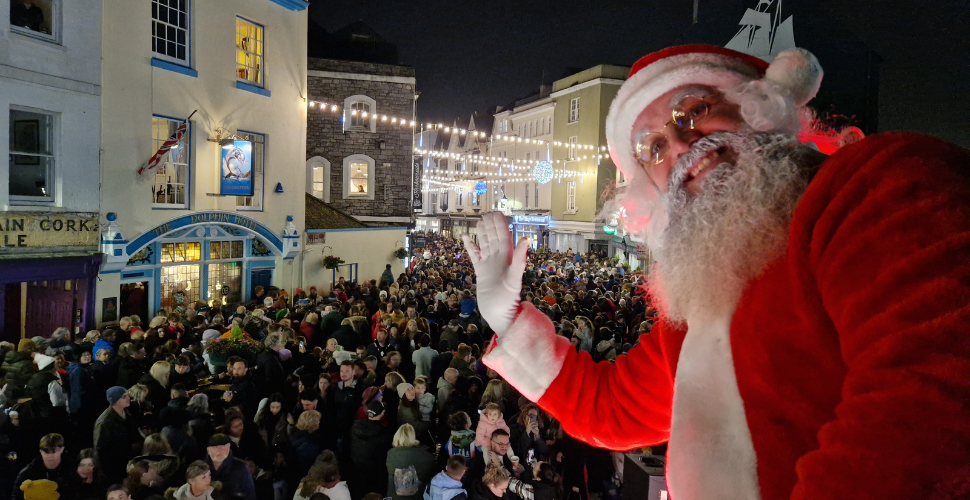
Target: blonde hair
point(312, 318)
point(156, 444)
point(404, 437)
point(495, 474)
point(138, 393)
point(393, 379)
point(492, 407)
point(308, 419)
point(160, 372)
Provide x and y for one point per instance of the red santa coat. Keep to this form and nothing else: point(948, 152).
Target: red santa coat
point(851, 353)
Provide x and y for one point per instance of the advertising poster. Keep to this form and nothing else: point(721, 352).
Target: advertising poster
point(237, 169)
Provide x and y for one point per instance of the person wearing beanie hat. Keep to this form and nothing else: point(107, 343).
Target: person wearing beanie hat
point(786, 282)
point(46, 389)
point(370, 441)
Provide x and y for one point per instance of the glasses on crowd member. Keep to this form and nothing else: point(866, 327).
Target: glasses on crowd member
point(652, 147)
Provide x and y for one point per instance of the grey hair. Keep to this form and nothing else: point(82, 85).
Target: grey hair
point(60, 334)
point(198, 403)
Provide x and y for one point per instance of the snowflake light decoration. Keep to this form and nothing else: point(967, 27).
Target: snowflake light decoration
point(542, 172)
point(481, 188)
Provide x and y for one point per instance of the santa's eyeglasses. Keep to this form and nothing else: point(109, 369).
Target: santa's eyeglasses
point(651, 147)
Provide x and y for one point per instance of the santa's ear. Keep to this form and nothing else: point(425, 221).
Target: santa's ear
point(798, 71)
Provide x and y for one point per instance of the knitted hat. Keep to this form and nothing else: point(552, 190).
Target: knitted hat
point(40, 489)
point(114, 394)
point(795, 70)
point(43, 361)
point(402, 388)
point(374, 408)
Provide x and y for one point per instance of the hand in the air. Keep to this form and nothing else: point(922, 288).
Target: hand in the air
point(498, 268)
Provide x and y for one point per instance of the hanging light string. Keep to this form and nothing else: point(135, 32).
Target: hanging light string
point(423, 126)
point(497, 161)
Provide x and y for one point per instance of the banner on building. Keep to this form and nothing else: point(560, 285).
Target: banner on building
point(44, 229)
point(237, 169)
point(416, 194)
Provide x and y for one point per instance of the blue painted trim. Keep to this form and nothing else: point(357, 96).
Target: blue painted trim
point(262, 264)
point(252, 88)
point(294, 5)
point(353, 229)
point(204, 218)
point(110, 272)
point(177, 68)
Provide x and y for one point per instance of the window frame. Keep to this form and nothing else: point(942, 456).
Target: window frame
point(573, 110)
point(55, 22)
point(371, 174)
point(572, 147)
point(187, 62)
point(261, 56)
point(570, 197)
point(187, 205)
point(54, 143)
point(259, 185)
point(347, 118)
point(323, 165)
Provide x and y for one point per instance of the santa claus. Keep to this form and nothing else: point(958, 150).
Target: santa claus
point(815, 332)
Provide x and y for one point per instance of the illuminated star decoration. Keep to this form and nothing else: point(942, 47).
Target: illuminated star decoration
point(481, 188)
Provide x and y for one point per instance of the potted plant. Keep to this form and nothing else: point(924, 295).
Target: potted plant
point(400, 253)
point(237, 343)
point(331, 262)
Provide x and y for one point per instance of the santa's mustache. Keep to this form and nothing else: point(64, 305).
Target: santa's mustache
point(738, 141)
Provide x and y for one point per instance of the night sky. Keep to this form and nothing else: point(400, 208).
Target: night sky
point(472, 55)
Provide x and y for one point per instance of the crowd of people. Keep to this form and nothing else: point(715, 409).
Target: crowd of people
point(374, 390)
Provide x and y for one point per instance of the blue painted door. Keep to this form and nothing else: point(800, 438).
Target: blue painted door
point(260, 277)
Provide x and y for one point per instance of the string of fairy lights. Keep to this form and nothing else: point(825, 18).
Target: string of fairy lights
point(509, 170)
point(422, 126)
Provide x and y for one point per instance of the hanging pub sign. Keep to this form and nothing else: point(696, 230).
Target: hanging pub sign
point(237, 169)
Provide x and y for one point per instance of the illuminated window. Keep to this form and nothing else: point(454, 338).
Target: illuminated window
point(181, 252)
point(254, 202)
point(225, 283)
point(170, 182)
point(359, 177)
point(31, 159)
point(219, 250)
point(179, 285)
point(360, 113)
point(574, 110)
point(170, 30)
point(249, 51)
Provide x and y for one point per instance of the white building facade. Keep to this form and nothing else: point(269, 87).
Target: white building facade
point(223, 211)
point(50, 92)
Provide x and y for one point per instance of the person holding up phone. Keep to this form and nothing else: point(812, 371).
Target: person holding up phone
point(526, 433)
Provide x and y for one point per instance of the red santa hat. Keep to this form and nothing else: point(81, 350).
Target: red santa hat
point(796, 71)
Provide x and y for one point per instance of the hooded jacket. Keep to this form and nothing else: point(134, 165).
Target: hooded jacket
point(444, 487)
point(185, 493)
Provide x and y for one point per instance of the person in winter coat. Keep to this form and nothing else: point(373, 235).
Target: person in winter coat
point(462, 439)
point(49, 465)
point(114, 435)
point(86, 402)
point(490, 420)
point(87, 482)
point(346, 336)
point(387, 277)
point(526, 433)
point(410, 466)
point(269, 376)
point(493, 486)
point(198, 483)
point(156, 380)
point(306, 444)
point(462, 360)
point(369, 442)
point(49, 398)
point(19, 367)
point(232, 472)
point(131, 366)
point(446, 485)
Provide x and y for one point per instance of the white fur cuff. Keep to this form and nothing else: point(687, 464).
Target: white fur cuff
point(529, 355)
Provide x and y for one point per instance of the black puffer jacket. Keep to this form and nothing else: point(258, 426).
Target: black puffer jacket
point(130, 371)
point(19, 367)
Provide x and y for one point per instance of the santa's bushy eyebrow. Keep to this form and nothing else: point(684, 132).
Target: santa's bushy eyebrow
point(693, 90)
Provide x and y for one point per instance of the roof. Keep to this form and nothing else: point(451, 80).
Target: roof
point(320, 215)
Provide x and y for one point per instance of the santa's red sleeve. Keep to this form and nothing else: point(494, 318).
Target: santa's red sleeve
point(617, 406)
point(882, 253)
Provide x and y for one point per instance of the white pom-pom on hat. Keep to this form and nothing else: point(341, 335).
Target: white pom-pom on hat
point(798, 71)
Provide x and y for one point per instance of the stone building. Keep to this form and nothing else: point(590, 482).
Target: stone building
point(360, 156)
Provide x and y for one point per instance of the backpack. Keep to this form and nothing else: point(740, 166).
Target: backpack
point(406, 482)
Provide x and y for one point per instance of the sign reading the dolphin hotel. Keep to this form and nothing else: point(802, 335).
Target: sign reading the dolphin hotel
point(33, 230)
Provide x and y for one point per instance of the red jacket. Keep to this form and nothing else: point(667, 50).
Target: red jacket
point(851, 353)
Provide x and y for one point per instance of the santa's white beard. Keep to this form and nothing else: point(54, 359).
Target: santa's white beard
point(720, 239)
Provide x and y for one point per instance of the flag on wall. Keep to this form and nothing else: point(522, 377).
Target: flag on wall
point(166, 146)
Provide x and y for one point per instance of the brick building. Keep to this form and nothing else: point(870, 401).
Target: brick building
point(361, 163)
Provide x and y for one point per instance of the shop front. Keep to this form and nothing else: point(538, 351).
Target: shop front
point(213, 257)
point(48, 272)
point(534, 227)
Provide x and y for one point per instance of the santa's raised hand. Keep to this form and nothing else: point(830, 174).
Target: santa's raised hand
point(499, 268)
